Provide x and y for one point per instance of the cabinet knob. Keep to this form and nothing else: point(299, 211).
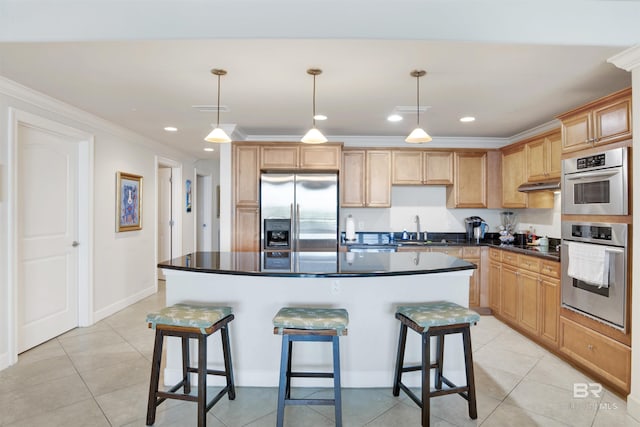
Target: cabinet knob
point(590, 346)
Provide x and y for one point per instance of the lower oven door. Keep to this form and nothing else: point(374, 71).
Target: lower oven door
point(606, 304)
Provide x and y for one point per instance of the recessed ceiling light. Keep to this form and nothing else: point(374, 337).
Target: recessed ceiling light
point(395, 118)
point(320, 117)
point(467, 119)
point(208, 149)
point(171, 129)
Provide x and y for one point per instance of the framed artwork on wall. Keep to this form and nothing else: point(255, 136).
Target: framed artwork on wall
point(129, 202)
point(188, 195)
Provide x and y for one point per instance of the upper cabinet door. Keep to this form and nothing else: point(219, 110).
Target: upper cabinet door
point(469, 188)
point(352, 179)
point(613, 121)
point(553, 145)
point(406, 167)
point(245, 172)
point(280, 157)
point(378, 179)
point(537, 160)
point(438, 167)
point(514, 168)
point(576, 132)
point(323, 157)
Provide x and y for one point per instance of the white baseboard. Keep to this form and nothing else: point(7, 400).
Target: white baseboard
point(119, 305)
point(4, 360)
point(633, 406)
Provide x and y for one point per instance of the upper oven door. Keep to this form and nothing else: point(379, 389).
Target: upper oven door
point(595, 192)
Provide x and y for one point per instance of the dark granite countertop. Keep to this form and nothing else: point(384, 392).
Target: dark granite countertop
point(317, 264)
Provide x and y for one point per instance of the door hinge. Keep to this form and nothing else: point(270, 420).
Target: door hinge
point(171, 223)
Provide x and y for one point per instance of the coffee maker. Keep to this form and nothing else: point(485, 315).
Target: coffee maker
point(472, 223)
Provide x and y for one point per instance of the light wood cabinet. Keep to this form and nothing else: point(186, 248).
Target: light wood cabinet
point(247, 227)
point(469, 189)
point(246, 178)
point(473, 255)
point(544, 157)
point(600, 122)
point(509, 293)
point(495, 272)
point(300, 156)
point(414, 167)
point(514, 167)
point(528, 301)
point(549, 310)
point(366, 179)
point(607, 358)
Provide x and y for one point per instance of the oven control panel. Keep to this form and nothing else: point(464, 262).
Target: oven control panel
point(591, 232)
point(598, 160)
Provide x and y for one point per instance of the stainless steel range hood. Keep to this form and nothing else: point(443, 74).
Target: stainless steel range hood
point(553, 185)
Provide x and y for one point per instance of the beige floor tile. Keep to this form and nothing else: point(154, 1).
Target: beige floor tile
point(489, 357)
point(509, 416)
point(359, 406)
point(553, 402)
point(182, 415)
point(46, 350)
point(115, 377)
point(92, 342)
point(494, 382)
point(30, 401)
point(295, 416)
point(612, 411)
point(405, 415)
point(518, 343)
point(455, 409)
point(552, 370)
point(251, 403)
point(81, 414)
point(34, 373)
point(97, 327)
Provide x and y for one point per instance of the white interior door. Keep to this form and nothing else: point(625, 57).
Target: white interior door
point(165, 218)
point(204, 217)
point(47, 228)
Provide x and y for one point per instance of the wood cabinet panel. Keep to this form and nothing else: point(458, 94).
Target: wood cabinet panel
point(529, 301)
point(474, 283)
point(550, 268)
point(549, 310)
point(438, 167)
point(608, 358)
point(495, 272)
point(352, 179)
point(378, 179)
point(495, 255)
point(612, 122)
point(510, 258)
point(247, 227)
point(407, 167)
point(554, 144)
point(279, 157)
point(529, 263)
point(514, 168)
point(576, 132)
point(323, 157)
point(469, 189)
point(509, 293)
point(544, 157)
point(246, 179)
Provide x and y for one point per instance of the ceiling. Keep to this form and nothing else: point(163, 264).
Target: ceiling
point(145, 85)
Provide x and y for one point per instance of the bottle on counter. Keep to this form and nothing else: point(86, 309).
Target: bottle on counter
point(405, 235)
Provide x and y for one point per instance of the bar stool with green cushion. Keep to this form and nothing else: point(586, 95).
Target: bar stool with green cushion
point(435, 319)
point(309, 324)
point(197, 322)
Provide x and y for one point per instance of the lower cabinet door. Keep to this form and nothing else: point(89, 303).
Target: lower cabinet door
point(509, 293)
point(529, 297)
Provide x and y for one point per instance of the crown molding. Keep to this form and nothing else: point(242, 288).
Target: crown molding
point(51, 105)
point(627, 59)
point(537, 130)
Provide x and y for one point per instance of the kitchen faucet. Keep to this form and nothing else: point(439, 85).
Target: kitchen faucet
point(416, 219)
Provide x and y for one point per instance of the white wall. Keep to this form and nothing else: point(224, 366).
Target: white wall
point(212, 167)
point(123, 263)
point(429, 202)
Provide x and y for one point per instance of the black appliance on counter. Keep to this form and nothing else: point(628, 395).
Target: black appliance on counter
point(471, 223)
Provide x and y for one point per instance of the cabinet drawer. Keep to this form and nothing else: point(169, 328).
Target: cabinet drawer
point(529, 263)
point(602, 355)
point(550, 268)
point(495, 254)
point(510, 258)
point(457, 252)
point(471, 252)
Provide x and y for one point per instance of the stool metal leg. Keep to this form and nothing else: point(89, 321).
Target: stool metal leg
point(228, 365)
point(284, 374)
point(468, 360)
point(426, 375)
point(439, 361)
point(400, 359)
point(288, 389)
point(155, 378)
point(185, 365)
point(337, 394)
point(202, 380)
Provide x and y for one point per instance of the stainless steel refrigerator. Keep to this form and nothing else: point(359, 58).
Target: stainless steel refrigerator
point(299, 211)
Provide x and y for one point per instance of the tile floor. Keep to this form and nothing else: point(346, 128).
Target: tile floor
point(98, 376)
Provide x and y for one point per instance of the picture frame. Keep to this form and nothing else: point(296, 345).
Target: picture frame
point(129, 202)
point(188, 195)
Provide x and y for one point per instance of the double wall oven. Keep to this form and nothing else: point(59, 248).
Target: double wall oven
point(594, 187)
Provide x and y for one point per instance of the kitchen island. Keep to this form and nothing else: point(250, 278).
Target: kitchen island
point(368, 285)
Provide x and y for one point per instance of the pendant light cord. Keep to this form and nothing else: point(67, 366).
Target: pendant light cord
point(313, 118)
point(218, 119)
point(418, 100)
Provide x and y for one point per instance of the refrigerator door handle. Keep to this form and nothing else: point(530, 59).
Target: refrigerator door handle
point(297, 237)
point(292, 236)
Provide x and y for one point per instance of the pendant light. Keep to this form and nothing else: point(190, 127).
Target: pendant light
point(418, 135)
point(314, 136)
point(218, 135)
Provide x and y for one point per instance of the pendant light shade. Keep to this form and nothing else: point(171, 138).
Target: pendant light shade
point(418, 135)
point(314, 136)
point(218, 135)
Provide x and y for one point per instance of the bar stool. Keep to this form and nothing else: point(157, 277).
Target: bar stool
point(435, 319)
point(197, 322)
point(309, 324)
